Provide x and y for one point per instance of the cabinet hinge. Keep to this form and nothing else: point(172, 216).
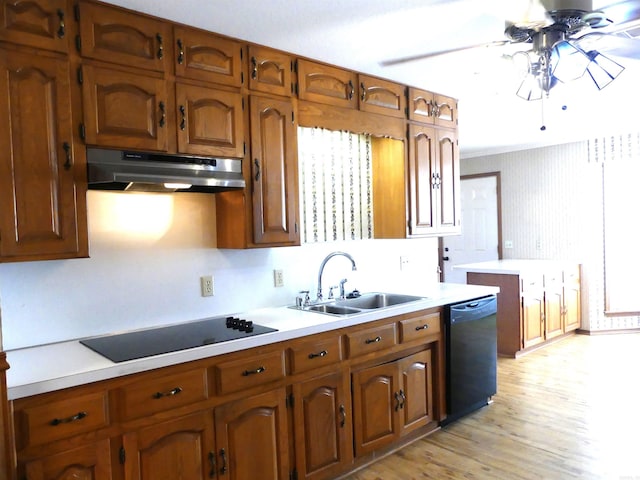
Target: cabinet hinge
point(80, 76)
point(293, 475)
point(76, 12)
point(83, 132)
point(244, 148)
point(78, 44)
point(242, 78)
point(293, 117)
point(294, 66)
point(122, 456)
point(289, 401)
point(243, 104)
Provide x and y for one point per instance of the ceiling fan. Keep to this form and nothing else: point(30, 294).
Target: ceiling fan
point(563, 35)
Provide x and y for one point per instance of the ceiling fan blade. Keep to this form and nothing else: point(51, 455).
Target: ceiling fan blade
point(623, 12)
point(610, 43)
point(423, 56)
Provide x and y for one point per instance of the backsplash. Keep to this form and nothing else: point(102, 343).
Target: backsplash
point(148, 252)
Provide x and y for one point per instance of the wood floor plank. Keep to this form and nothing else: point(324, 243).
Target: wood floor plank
point(568, 411)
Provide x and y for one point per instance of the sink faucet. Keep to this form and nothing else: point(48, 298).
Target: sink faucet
point(324, 262)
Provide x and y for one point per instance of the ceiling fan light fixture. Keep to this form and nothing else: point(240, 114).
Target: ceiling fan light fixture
point(530, 88)
point(602, 69)
point(568, 61)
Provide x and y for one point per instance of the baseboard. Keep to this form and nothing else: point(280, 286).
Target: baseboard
point(616, 331)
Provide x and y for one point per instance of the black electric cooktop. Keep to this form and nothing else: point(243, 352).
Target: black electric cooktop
point(146, 343)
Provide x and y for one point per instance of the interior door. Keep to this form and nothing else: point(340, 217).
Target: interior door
point(479, 241)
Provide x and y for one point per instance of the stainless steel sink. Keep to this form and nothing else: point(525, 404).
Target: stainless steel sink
point(333, 309)
point(370, 301)
point(362, 304)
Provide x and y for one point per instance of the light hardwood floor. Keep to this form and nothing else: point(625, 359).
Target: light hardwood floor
point(570, 410)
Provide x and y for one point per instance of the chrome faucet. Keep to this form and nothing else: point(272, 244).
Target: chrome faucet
point(324, 262)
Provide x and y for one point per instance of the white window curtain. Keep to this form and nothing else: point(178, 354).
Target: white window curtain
point(335, 185)
point(620, 157)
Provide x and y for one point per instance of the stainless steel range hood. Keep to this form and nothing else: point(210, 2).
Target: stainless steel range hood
point(153, 172)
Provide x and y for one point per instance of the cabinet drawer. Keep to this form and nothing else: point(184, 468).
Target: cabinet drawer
point(552, 278)
point(161, 393)
point(571, 275)
point(371, 340)
point(249, 372)
point(310, 355)
point(419, 327)
point(48, 422)
point(531, 282)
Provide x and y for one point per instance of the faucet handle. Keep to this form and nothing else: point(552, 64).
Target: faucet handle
point(331, 291)
point(303, 301)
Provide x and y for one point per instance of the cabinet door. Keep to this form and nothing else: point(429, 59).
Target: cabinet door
point(124, 109)
point(422, 179)
point(251, 436)
point(382, 96)
point(274, 172)
point(445, 111)
point(447, 182)
point(181, 448)
point(322, 426)
point(40, 209)
point(532, 319)
point(571, 308)
point(37, 23)
point(210, 121)
point(553, 312)
point(325, 84)
point(113, 35)
point(376, 406)
point(204, 56)
point(417, 391)
point(90, 462)
point(270, 71)
point(422, 106)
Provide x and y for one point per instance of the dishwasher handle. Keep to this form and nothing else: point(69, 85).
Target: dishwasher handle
point(474, 310)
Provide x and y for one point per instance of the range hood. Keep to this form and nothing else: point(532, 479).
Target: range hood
point(153, 172)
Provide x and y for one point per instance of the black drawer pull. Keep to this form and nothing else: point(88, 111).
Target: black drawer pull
point(170, 393)
point(343, 416)
point(373, 340)
point(422, 327)
point(73, 418)
point(246, 373)
point(223, 457)
point(323, 353)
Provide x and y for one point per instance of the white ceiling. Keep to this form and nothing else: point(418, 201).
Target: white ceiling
point(360, 34)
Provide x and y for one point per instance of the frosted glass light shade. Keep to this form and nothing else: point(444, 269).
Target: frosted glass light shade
point(602, 70)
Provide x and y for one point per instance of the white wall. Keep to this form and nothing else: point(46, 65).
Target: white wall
point(552, 209)
point(147, 254)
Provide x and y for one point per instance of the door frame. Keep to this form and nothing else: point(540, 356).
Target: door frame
point(499, 212)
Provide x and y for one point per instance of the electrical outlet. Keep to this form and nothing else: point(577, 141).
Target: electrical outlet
point(404, 263)
point(508, 244)
point(206, 285)
point(278, 278)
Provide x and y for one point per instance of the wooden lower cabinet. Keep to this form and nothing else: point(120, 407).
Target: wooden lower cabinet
point(322, 426)
point(181, 448)
point(391, 399)
point(252, 438)
point(89, 462)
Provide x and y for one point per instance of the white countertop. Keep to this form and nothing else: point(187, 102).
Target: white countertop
point(512, 266)
point(46, 368)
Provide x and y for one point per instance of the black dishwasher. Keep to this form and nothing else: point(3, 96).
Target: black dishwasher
point(471, 353)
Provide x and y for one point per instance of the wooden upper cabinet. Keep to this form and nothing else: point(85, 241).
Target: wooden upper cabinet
point(270, 71)
point(326, 84)
point(124, 109)
point(382, 96)
point(42, 214)
point(448, 182)
point(36, 23)
point(274, 172)
point(204, 56)
point(429, 107)
point(114, 35)
point(422, 174)
point(210, 121)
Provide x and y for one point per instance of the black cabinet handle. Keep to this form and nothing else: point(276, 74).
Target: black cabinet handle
point(160, 53)
point(170, 393)
point(403, 397)
point(163, 114)
point(74, 418)
point(212, 462)
point(180, 51)
point(254, 68)
point(343, 416)
point(183, 120)
point(363, 92)
point(67, 152)
point(422, 327)
point(323, 353)
point(61, 25)
point(257, 164)
point(246, 373)
point(223, 457)
point(397, 396)
point(351, 90)
point(373, 340)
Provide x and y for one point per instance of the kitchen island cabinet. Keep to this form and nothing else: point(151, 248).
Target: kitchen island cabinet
point(539, 300)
